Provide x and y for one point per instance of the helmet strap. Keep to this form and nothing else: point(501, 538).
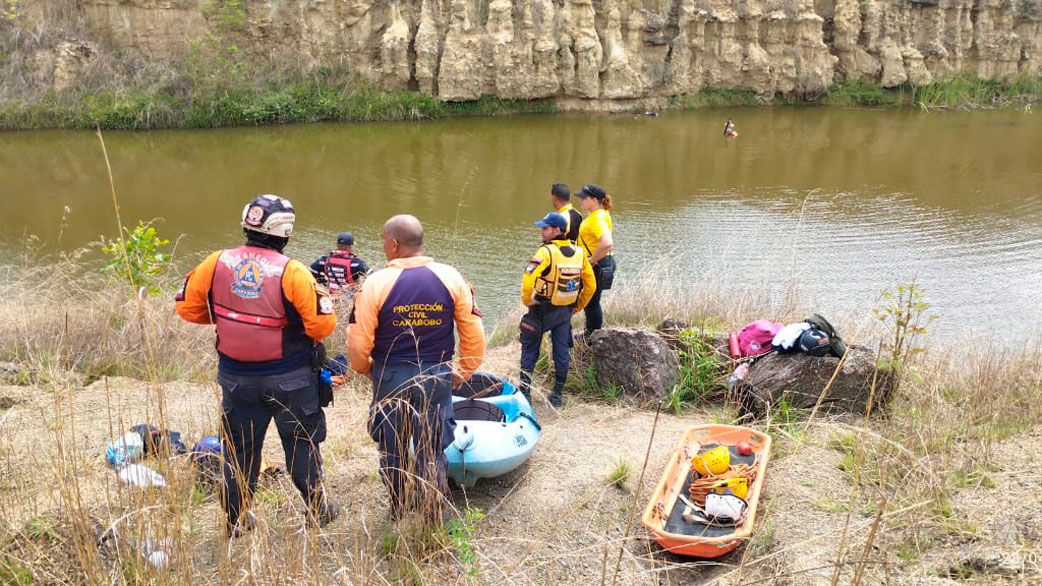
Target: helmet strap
point(259, 239)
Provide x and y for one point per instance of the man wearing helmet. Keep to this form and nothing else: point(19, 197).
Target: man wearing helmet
point(271, 318)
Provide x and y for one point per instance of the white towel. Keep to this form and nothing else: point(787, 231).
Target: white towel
point(786, 337)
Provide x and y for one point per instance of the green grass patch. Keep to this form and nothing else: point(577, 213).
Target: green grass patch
point(968, 91)
point(619, 473)
point(461, 533)
point(14, 572)
point(316, 100)
point(42, 528)
point(703, 373)
point(584, 383)
point(860, 92)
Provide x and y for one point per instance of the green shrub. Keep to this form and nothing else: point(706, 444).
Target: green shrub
point(135, 258)
point(859, 92)
point(703, 373)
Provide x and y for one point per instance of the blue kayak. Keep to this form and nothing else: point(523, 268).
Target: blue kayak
point(496, 430)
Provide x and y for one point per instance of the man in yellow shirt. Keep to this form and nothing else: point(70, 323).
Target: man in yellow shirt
point(561, 199)
point(557, 282)
point(401, 335)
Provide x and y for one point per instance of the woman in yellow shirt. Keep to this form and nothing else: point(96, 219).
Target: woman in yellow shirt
point(595, 237)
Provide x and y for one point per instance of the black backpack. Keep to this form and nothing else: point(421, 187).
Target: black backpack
point(837, 347)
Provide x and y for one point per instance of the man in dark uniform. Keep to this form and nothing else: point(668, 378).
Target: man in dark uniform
point(271, 318)
point(401, 336)
point(561, 199)
point(340, 270)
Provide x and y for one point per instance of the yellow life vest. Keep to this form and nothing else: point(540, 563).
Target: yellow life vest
point(561, 281)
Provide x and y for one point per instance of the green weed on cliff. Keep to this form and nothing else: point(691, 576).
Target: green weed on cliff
point(859, 92)
point(200, 106)
point(229, 14)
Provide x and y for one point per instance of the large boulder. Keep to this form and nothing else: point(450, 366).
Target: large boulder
point(637, 362)
point(799, 380)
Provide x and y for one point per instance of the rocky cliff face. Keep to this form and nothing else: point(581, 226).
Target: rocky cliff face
point(585, 50)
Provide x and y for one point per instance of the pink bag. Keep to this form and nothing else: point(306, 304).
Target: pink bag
point(755, 338)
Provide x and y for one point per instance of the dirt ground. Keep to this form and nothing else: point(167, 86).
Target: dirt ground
point(555, 520)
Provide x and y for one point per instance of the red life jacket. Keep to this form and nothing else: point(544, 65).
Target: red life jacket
point(338, 270)
point(247, 303)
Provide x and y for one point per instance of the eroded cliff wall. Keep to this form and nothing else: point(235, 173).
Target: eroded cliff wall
point(604, 49)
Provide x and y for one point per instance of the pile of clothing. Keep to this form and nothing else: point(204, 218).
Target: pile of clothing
point(142, 440)
point(814, 336)
point(146, 440)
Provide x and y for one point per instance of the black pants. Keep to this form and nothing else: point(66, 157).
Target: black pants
point(249, 403)
point(558, 322)
point(594, 315)
point(412, 422)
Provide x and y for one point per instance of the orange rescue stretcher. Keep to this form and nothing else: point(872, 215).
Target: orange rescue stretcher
point(663, 516)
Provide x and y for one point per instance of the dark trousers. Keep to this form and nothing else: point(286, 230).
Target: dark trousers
point(412, 405)
point(249, 403)
point(560, 340)
point(594, 315)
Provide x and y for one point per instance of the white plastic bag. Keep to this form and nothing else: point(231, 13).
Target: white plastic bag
point(125, 449)
point(142, 476)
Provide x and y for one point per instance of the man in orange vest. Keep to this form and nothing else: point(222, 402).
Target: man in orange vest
point(340, 270)
point(271, 318)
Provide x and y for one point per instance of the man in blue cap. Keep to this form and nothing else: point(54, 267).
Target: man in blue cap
point(340, 270)
point(557, 282)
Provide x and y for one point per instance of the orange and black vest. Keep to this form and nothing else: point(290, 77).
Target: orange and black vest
point(257, 328)
point(338, 270)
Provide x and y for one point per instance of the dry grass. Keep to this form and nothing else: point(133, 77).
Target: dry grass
point(898, 480)
point(66, 324)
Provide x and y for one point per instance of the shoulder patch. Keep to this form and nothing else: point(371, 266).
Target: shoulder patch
point(323, 302)
point(533, 265)
point(325, 305)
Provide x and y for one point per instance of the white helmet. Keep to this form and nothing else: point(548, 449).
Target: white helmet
point(269, 214)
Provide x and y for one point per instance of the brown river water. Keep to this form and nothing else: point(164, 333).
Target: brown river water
point(842, 202)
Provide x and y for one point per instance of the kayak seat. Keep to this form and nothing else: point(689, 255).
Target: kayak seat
point(477, 410)
point(481, 385)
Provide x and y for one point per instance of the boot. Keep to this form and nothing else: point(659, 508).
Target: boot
point(326, 512)
point(557, 396)
point(245, 524)
point(526, 386)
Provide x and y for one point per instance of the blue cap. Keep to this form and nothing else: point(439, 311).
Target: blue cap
point(553, 220)
point(345, 238)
